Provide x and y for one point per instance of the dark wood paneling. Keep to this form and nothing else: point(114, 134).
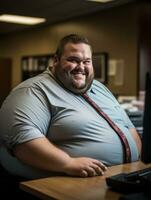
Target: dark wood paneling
point(5, 78)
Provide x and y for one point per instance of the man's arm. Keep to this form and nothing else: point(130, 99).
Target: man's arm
point(137, 139)
point(42, 154)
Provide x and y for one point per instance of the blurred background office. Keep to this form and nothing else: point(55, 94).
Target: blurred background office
point(119, 31)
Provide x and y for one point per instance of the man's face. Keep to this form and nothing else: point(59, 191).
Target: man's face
point(74, 69)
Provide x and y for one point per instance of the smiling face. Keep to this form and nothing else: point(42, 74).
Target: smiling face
point(74, 69)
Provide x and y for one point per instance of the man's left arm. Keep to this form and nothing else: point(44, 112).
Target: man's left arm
point(137, 139)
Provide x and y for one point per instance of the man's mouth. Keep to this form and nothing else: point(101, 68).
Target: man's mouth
point(78, 72)
point(78, 75)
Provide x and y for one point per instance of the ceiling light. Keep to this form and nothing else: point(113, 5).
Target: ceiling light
point(21, 19)
point(101, 1)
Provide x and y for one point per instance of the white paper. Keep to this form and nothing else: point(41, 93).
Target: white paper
point(119, 77)
point(112, 68)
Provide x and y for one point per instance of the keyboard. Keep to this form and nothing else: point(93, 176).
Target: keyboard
point(136, 181)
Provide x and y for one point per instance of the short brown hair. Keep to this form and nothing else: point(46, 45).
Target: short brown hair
point(72, 38)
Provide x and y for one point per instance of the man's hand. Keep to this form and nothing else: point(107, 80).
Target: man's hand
point(42, 154)
point(84, 167)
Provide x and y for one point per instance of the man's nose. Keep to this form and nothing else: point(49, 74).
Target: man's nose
point(81, 64)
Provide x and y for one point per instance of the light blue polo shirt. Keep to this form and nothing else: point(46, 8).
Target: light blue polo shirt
point(40, 107)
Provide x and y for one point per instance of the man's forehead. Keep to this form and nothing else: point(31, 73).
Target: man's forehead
point(71, 48)
point(75, 46)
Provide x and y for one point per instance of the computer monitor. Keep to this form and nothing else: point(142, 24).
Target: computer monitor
point(146, 137)
point(139, 180)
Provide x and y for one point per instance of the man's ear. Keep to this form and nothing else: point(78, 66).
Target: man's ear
point(54, 63)
point(55, 60)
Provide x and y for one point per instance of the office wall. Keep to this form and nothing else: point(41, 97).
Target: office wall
point(113, 31)
point(5, 78)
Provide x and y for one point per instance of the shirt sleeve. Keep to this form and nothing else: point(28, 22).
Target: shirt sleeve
point(25, 115)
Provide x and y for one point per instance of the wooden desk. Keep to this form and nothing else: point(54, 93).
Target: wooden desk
point(72, 188)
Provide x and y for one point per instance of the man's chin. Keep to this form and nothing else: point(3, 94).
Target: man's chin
point(79, 89)
point(79, 85)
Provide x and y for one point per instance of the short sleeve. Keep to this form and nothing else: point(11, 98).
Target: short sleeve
point(25, 116)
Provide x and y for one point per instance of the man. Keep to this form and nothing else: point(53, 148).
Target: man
point(48, 127)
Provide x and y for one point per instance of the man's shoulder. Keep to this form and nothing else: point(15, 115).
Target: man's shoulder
point(98, 86)
point(34, 82)
point(100, 89)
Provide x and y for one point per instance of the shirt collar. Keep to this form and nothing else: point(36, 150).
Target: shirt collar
point(91, 89)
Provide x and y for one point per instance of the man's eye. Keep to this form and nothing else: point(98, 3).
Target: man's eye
point(78, 61)
point(87, 62)
point(72, 60)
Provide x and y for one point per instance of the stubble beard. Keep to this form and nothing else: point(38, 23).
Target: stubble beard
point(67, 80)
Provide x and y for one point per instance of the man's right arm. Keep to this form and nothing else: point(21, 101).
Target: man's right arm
point(42, 154)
